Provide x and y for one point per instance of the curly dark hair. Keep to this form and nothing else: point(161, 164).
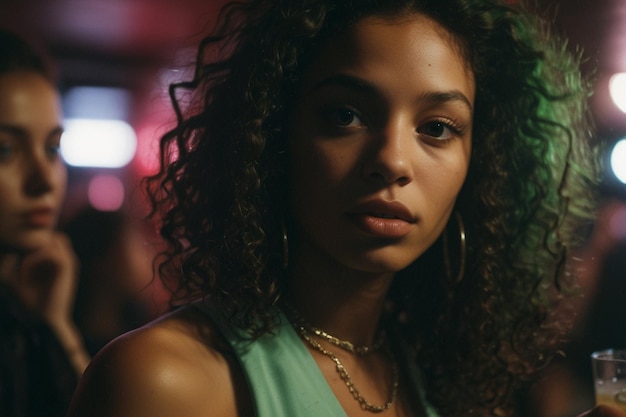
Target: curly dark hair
point(222, 187)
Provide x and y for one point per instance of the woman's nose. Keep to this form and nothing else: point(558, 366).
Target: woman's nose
point(389, 157)
point(39, 175)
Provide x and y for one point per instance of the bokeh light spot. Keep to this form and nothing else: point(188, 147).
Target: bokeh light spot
point(106, 193)
point(617, 89)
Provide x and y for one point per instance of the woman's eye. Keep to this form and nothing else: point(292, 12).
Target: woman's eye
point(438, 130)
point(53, 150)
point(53, 146)
point(5, 151)
point(343, 117)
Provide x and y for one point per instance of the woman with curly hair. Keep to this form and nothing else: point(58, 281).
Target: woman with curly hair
point(370, 208)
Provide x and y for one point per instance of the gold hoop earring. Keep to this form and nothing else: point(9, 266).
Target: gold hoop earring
point(283, 229)
point(462, 250)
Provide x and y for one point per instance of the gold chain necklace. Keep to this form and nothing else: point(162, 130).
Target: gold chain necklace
point(347, 345)
point(343, 344)
point(307, 334)
point(345, 376)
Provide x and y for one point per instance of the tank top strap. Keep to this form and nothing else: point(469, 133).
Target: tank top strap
point(282, 376)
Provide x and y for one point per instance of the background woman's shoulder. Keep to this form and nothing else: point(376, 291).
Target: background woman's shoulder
point(177, 365)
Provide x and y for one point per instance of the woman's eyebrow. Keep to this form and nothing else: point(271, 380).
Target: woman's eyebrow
point(359, 84)
point(13, 130)
point(347, 81)
point(56, 131)
point(21, 132)
point(437, 97)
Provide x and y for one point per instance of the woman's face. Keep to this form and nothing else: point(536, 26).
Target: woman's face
point(380, 143)
point(32, 174)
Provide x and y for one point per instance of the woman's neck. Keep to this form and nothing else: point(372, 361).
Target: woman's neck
point(343, 302)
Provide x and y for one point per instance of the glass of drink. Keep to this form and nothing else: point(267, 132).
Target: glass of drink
point(609, 374)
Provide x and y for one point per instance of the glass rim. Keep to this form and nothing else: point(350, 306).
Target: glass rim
point(618, 355)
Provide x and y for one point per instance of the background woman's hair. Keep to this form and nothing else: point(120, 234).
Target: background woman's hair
point(222, 189)
point(16, 54)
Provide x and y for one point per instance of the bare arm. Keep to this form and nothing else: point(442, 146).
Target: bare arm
point(159, 371)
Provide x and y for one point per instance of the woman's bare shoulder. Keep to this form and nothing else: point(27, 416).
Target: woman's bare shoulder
point(174, 366)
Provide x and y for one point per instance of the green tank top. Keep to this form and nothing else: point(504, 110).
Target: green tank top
point(285, 380)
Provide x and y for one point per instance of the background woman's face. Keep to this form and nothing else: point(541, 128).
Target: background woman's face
point(32, 174)
point(380, 143)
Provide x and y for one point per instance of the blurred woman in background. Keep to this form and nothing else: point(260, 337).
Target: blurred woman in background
point(41, 351)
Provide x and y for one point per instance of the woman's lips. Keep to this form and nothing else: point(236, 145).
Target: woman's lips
point(39, 218)
point(382, 227)
point(390, 220)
